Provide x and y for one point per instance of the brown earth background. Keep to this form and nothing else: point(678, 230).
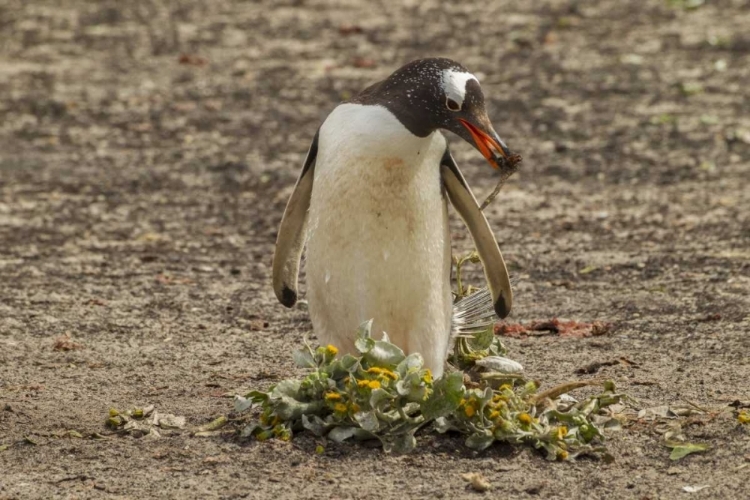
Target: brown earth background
point(147, 150)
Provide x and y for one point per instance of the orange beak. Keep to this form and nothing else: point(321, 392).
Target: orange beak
point(486, 144)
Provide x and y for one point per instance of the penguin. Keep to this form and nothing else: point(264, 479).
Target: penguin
point(371, 206)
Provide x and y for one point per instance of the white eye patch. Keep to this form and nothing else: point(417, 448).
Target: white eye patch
point(454, 84)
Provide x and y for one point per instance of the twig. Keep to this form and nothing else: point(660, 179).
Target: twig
point(509, 168)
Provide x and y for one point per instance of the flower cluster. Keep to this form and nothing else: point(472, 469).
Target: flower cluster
point(512, 414)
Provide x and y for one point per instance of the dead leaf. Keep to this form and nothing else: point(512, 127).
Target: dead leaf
point(217, 459)
point(588, 269)
point(214, 425)
point(680, 450)
point(694, 489)
point(350, 29)
point(595, 366)
point(477, 481)
point(575, 329)
point(192, 60)
point(169, 421)
point(363, 62)
point(656, 411)
point(66, 343)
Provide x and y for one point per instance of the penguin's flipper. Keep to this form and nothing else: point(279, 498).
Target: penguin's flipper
point(292, 233)
point(467, 207)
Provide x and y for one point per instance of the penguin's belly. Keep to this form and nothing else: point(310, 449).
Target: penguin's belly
point(379, 247)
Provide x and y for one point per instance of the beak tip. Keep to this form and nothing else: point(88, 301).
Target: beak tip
point(509, 162)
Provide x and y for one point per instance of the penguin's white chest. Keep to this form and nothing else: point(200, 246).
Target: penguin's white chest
point(378, 243)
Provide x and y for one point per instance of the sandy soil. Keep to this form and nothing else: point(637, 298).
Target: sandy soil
point(147, 152)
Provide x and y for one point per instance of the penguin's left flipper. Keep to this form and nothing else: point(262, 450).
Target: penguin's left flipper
point(292, 233)
point(467, 207)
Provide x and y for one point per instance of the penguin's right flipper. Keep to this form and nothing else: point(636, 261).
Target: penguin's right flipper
point(292, 233)
point(467, 207)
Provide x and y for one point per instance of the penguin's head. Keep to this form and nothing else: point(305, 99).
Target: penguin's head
point(438, 93)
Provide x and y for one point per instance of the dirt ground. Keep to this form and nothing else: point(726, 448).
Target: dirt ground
point(147, 151)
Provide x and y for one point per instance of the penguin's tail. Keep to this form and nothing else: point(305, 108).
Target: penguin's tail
point(473, 314)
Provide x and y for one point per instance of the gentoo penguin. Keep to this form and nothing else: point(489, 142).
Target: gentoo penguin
point(371, 206)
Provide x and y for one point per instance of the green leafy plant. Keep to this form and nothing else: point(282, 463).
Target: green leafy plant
point(386, 395)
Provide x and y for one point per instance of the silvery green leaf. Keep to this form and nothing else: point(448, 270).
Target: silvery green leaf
point(413, 361)
point(412, 408)
point(563, 417)
point(484, 396)
point(500, 364)
point(479, 441)
point(442, 425)
point(363, 435)
point(384, 354)
point(314, 424)
point(446, 396)
point(378, 396)
point(303, 358)
point(365, 329)
point(367, 420)
point(390, 417)
point(588, 432)
point(418, 394)
point(497, 348)
point(241, 404)
point(385, 338)
point(286, 388)
point(257, 396)
point(400, 443)
point(341, 434)
point(482, 340)
point(248, 430)
point(363, 345)
point(349, 363)
point(291, 409)
point(403, 388)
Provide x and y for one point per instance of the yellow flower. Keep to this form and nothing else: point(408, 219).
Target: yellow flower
point(389, 374)
point(375, 370)
point(363, 383)
point(354, 408)
point(331, 350)
point(744, 417)
point(494, 414)
point(427, 377)
point(470, 410)
point(332, 396)
point(374, 384)
point(562, 455)
point(505, 387)
point(524, 418)
point(562, 431)
point(339, 408)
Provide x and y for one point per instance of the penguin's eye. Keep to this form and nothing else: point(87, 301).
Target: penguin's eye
point(452, 105)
